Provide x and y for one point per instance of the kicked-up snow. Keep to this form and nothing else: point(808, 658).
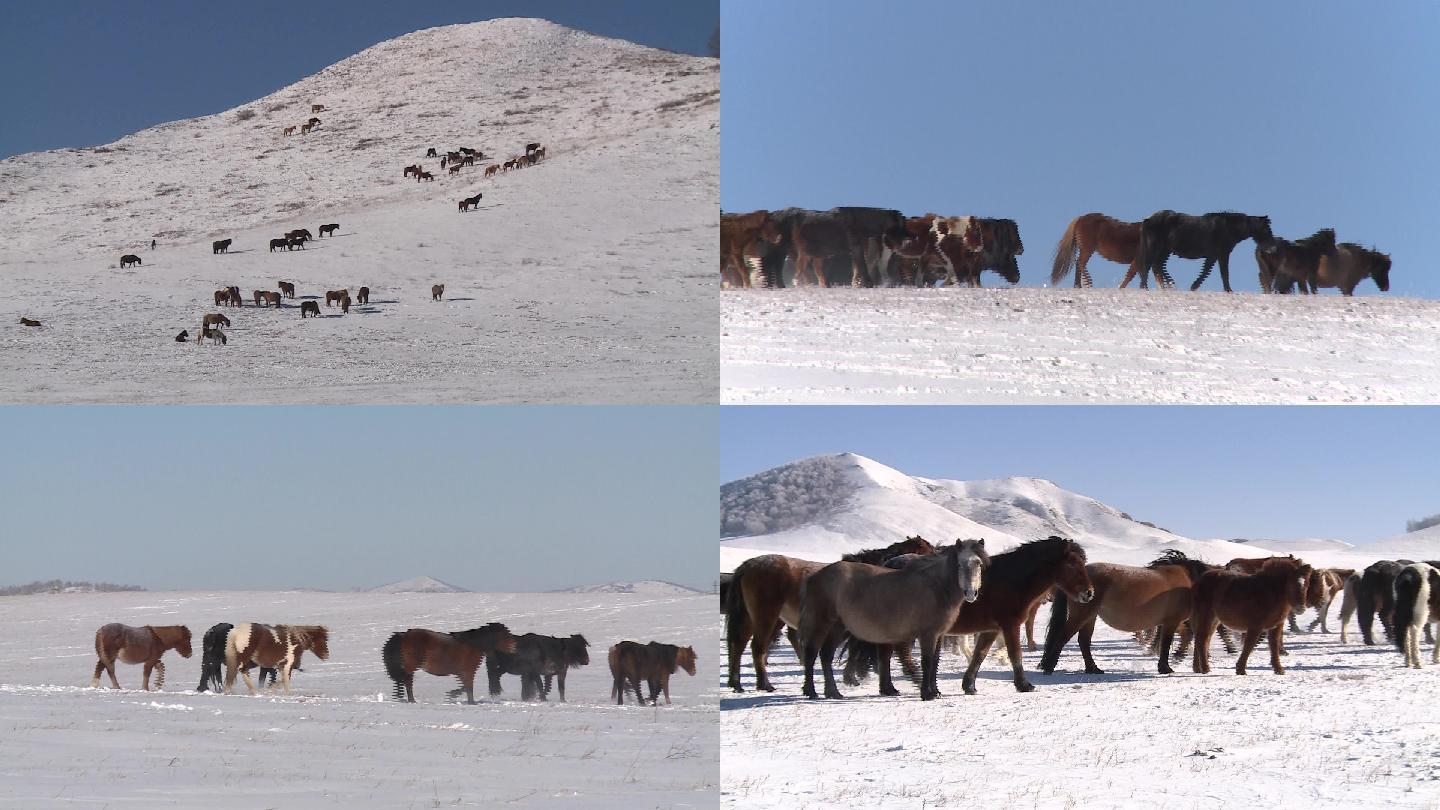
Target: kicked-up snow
point(584, 278)
point(1095, 346)
point(340, 739)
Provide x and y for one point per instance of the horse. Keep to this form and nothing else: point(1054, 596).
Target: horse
point(183, 337)
point(531, 147)
point(344, 305)
point(264, 298)
point(631, 661)
point(286, 287)
point(1092, 233)
point(887, 607)
point(424, 176)
point(138, 645)
point(1299, 260)
point(1331, 584)
point(430, 152)
point(297, 242)
point(222, 246)
point(1348, 602)
point(1374, 594)
point(215, 318)
point(329, 230)
point(437, 653)
point(305, 128)
point(128, 260)
point(24, 321)
point(455, 169)
point(333, 297)
point(288, 131)
point(216, 336)
point(1001, 243)
point(309, 307)
point(850, 233)
point(1256, 603)
point(469, 202)
point(1014, 582)
point(222, 297)
point(764, 597)
point(284, 244)
point(278, 647)
point(1417, 604)
point(1211, 237)
point(959, 241)
point(1350, 265)
point(536, 657)
point(363, 296)
point(314, 108)
point(437, 292)
point(1127, 598)
point(414, 169)
point(492, 169)
point(212, 658)
point(538, 155)
point(738, 235)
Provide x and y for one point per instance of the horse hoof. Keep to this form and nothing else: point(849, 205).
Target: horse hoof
point(889, 693)
point(1024, 686)
point(834, 694)
point(970, 690)
point(1166, 671)
point(1094, 671)
point(766, 688)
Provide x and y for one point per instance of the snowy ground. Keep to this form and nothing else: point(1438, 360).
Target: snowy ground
point(1025, 345)
point(340, 741)
point(1346, 726)
point(586, 278)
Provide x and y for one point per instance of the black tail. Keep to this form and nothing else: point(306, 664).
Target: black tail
point(1055, 634)
point(1407, 592)
point(860, 659)
point(737, 618)
point(212, 656)
point(390, 653)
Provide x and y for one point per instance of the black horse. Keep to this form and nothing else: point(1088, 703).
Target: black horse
point(221, 246)
point(1283, 262)
point(1210, 237)
point(1001, 245)
point(283, 244)
point(212, 659)
point(535, 657)
point(1376, 595)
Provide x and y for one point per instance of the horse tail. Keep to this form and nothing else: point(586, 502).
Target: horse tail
point(737, 618)
point(1065, 254)
point(394, 665)
point(1412, 606)
point(1055, 635)
point(860, 659)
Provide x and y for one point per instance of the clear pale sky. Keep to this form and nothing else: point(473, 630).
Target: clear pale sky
point(487, 498)
point(82, 72)
point(1316, 114)
point(1343, 473)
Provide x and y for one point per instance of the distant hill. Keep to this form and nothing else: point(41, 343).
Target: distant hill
point(652, 587)
point(65, 586)
point(418, 585)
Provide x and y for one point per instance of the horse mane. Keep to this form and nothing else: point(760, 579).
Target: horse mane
point(575, 649)
point(1323, 239)
point(1015, 565)
point(877, 556)
point(312, 637)
point(1171, 556)
point(667, 653)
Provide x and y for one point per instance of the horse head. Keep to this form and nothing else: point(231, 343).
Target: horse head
point(914, 545)
point(1074, 579)
point(576, 652)
point(685, 657)
point(971, 562)
point(176, 637)
point(1379, 270)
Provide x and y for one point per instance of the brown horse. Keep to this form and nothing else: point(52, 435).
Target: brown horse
point(276, 647)
point(437, 292)
point(330, 229)
point(213, 319)
point(345, 304)
point(538, 657)
point(129, 259)
point(492, 169)
point(1014, 582)
point(138, 645)
point(1325, 584)
point(1350, 265)
point(738, 235)
point(458, 654)
point(1282, 261)
point(888, 607)
point(333, 296)
point(363, 296)
point(631, 662)
point(288, 288)
point(222, 297)
point(764, 597)
point(1088, 234)
point(1256, 603)
point(1127, 598)
point(267, 298)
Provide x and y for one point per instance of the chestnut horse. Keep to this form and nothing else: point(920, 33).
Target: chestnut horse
point(277, 647)
point(1256, 603)
point(1015, 581)
point(888, 607)
point(1088, 234)
point(764, 597)
point(457, 654)
point(1346, 268)
point(738, 235)
point(287, 287)
point(1127, 598)
point(631, 662)
point(138, 645)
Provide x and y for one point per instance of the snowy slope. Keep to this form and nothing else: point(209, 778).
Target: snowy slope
point(1000, 346)
point(1421, 545)
point(340, 740)
point(582, 278)
point(417, 585)
point(648, 587)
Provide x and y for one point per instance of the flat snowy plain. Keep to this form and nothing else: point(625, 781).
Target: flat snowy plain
point(340, 740)
point(1096, 346)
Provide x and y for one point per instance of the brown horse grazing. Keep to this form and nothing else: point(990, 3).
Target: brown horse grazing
point(1350, 265)
point(1282, 261)
point(456, 168)
point(764, 597)
point(24, 321)
point(458, 654)
point(329, 230)
point(1130, 599)
point(287, 287)
point(309, 307)
point(1014, 582)
point(738, 235)
point(333, 297)
point(290, 130)
point(363, 296)
point(278, 647)
point(1256, 603)
point(214, 319)
point(888, 607)
point(129, 259)
point(1088, 234)
point(138, 645)
point(345, 305)
point(424, 176)
point(437, 292)
point(631, 662)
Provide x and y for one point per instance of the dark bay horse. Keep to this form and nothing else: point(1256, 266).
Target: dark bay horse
point(1375, 595)
point(1127, 598)
point(457, 654)
point(1088, 234)
point(535, 658)
point(1211, 237)
point(764, 597)
point(888, 607)
point(275, 646)
point(1282, 261)
point(1015, 581)
point(138, 645)
point(212, 660)
point(632, 662)
point(739, 235)
point(1350, 265)
point(1256, 603)
point(1001, 244)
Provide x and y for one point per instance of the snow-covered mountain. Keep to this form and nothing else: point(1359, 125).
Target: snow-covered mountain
point(822, 507)
point(1419, 545)
point(418, 585)
point(654, 587)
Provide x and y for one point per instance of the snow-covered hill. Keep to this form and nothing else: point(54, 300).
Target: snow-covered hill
point(1419, 545)
point(1026, 345)
point(651, 587)
point(820, 508)
point(585, 277)
point(418, 585)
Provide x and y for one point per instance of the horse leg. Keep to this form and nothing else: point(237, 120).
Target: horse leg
point(1186, 636)
point(811, 650)
point(1087, 631)
point(883, 654)
point(617, 689)
point(929, 666)
point(1277, 646)
point(1204, 274)
point(827, 659)
point(1082, 276)
point(1202, 628)
point(560, 681)
point(1294, 625)
point(1017, 658)
point(765, 629)
point(1225, 272)
point(245, 673)
point(1030, 644)
point(977, 657)
point(1252, 637)
point(1165, 634)
point(1225, 638)
point(145, 679)
point(1367, 619)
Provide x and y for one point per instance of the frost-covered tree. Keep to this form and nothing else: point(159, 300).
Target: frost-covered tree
point(783, 498)
point(1422, 523)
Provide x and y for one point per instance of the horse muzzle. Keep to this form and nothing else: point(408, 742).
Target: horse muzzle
point(1085, 596)
point(971, 596)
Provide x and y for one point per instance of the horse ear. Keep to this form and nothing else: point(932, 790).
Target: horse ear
point(980, 543)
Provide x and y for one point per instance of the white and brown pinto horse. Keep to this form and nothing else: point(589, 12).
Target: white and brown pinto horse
point(278, 646)
point(138, 645)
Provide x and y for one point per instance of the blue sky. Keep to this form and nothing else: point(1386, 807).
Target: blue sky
point(81, 73)
point(1346, 473)
point(492, 498)
point(1316, 114)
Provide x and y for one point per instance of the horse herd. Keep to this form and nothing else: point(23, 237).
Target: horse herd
point(882, 247)
point(874, 605)
point(465, 156)
point(540, 661)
